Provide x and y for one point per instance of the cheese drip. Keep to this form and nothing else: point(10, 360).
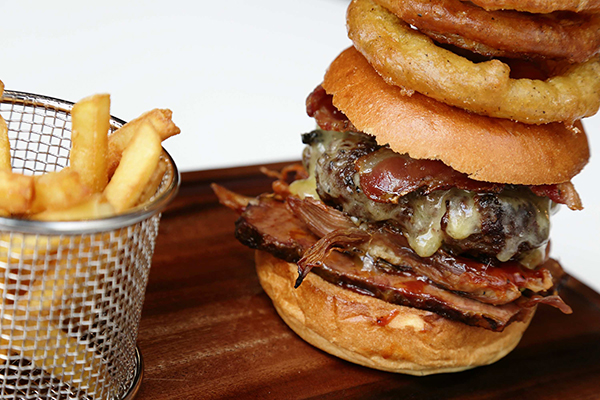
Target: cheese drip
point(424, 229)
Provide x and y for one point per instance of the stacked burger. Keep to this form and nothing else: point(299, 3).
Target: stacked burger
point(415, 236)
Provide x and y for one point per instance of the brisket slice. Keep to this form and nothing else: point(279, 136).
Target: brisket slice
point(271, 226)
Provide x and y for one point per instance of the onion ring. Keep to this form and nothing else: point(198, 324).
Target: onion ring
point(575, 37)
point(409, 59)
point(540, 6)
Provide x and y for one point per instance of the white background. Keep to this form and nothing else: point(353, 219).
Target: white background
point(235, 73)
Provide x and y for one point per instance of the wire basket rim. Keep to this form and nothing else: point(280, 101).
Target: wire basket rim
point(128, 218)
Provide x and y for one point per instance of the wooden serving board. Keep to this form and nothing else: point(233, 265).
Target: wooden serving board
point(209, 331)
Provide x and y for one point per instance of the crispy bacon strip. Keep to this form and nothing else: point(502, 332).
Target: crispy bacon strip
point(553, 300)
point(320, 106)
point(563, 193)
point(385, 176)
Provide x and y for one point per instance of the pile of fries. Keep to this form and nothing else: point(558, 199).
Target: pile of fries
point(49, 281)
point(107, 175)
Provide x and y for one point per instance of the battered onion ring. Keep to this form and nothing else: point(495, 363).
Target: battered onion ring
point(540, 6)
point(575, 37)
point(409, 59)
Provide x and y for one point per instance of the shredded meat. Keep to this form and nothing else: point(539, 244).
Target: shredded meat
point(229, 199)
point(283, 178)
point(268, 225)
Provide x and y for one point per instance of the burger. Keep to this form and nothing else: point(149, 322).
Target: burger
point(414, 237)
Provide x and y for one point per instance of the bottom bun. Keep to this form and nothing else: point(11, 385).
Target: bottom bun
point(371, 332)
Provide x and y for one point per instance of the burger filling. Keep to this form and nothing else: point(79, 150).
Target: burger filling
point(350, 172)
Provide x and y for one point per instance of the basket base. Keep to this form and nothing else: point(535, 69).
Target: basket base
point(137, 379)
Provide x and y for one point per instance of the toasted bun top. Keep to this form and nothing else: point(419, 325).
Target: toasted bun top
point(371, 332)
point(487, 149)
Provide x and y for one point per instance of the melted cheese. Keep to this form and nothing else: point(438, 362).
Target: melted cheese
point(533, 258)
point(308, 187)
point(424, 231)
point(463, 218)
point(305, 187)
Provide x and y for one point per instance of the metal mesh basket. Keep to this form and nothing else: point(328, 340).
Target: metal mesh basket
point(71, 292)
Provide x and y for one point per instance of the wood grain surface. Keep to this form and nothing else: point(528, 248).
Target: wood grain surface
point(208, 330)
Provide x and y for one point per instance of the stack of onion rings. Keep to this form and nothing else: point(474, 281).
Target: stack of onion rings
point(409, 58)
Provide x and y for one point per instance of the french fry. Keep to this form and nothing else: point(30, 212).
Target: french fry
point(91, 121)
point(58, 190)
point(16, 192)
point(118, 141)
point(4, 147)
point(137, 165)
point(154, 182)
point(94, 159)
point(93, 208)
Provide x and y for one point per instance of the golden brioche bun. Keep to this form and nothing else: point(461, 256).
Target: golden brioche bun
point(349, 325)
point(487, 149)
